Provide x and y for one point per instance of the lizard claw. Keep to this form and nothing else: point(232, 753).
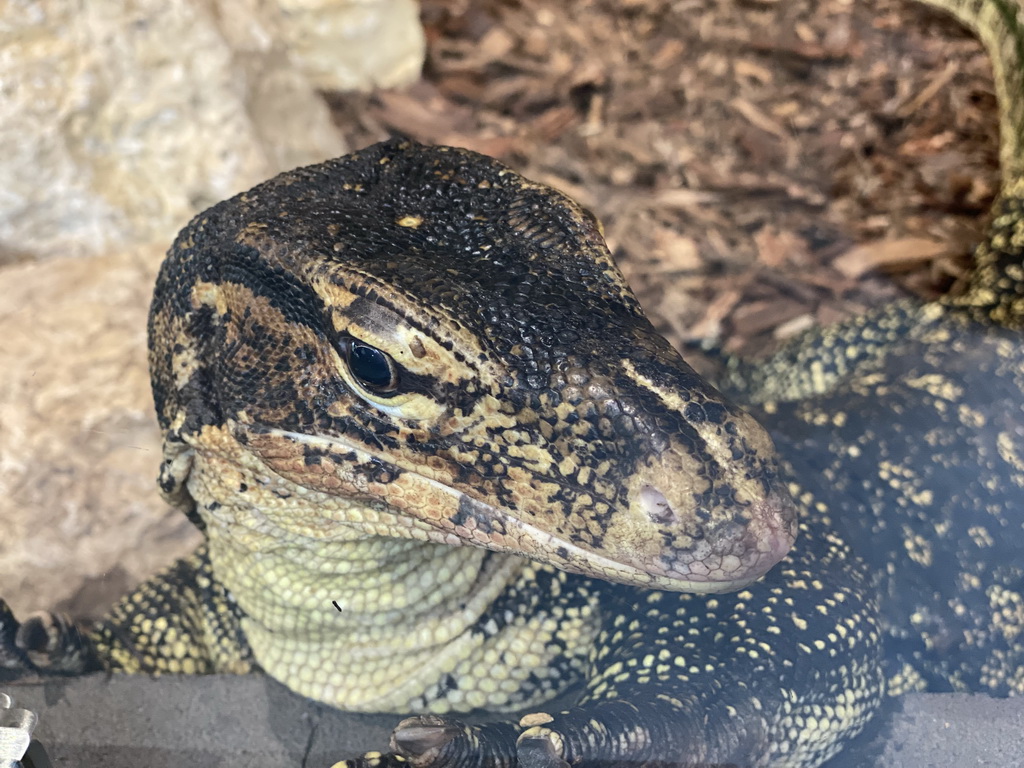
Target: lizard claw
point(538, 748)
point(422, 740)
point(429, 741)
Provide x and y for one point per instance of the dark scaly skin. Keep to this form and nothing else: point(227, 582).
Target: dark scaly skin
point(939, 520)
point(243, 333)
point(904, 429)
point(910, 421)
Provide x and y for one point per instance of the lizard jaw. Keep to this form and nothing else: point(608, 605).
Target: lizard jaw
point(729, 558)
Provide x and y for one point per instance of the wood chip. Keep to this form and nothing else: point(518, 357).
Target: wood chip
point(753, 70)
point(753, 318)
point(682, 199)
point(904, 252)
point(923, 97)
point(710, 326)
point(495, 45)
point(759, 119)
point(776, 247)
point(675, 252)
point(794, 327)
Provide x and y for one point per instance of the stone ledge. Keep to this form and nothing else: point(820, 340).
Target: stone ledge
point(127, 722)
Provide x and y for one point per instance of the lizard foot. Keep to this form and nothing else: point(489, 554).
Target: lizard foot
point(45, 643)
point(14, 661)
point(608, 735)
point(429, 741)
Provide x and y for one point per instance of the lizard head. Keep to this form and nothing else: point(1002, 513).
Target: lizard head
point(418, 342)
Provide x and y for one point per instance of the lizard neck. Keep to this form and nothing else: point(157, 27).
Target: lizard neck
point(366, 625)
point(346, 613)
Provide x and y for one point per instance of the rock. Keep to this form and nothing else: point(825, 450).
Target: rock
point(338, 43)
point(121, 118)
point(79, 446)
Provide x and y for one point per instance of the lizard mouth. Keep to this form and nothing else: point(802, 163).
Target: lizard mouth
point(725, 559)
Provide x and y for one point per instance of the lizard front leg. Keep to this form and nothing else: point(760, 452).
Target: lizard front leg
point(180, 621)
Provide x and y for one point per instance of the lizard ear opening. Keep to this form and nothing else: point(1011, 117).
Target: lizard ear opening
point(175, 468)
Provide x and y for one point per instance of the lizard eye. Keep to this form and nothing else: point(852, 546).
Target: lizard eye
point(372, 369)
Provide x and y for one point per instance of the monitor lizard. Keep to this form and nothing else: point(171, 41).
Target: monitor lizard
point(360, 364)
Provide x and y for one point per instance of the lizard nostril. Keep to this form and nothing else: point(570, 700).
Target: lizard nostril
point(657, 506)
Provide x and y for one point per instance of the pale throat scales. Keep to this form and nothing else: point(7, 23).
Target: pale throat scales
point(367, 622)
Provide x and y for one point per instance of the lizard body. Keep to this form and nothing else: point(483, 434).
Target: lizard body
point(362, 367)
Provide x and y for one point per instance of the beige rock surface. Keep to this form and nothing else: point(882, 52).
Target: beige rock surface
point(79, 447)
point(338, 43)
point(121, 118)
